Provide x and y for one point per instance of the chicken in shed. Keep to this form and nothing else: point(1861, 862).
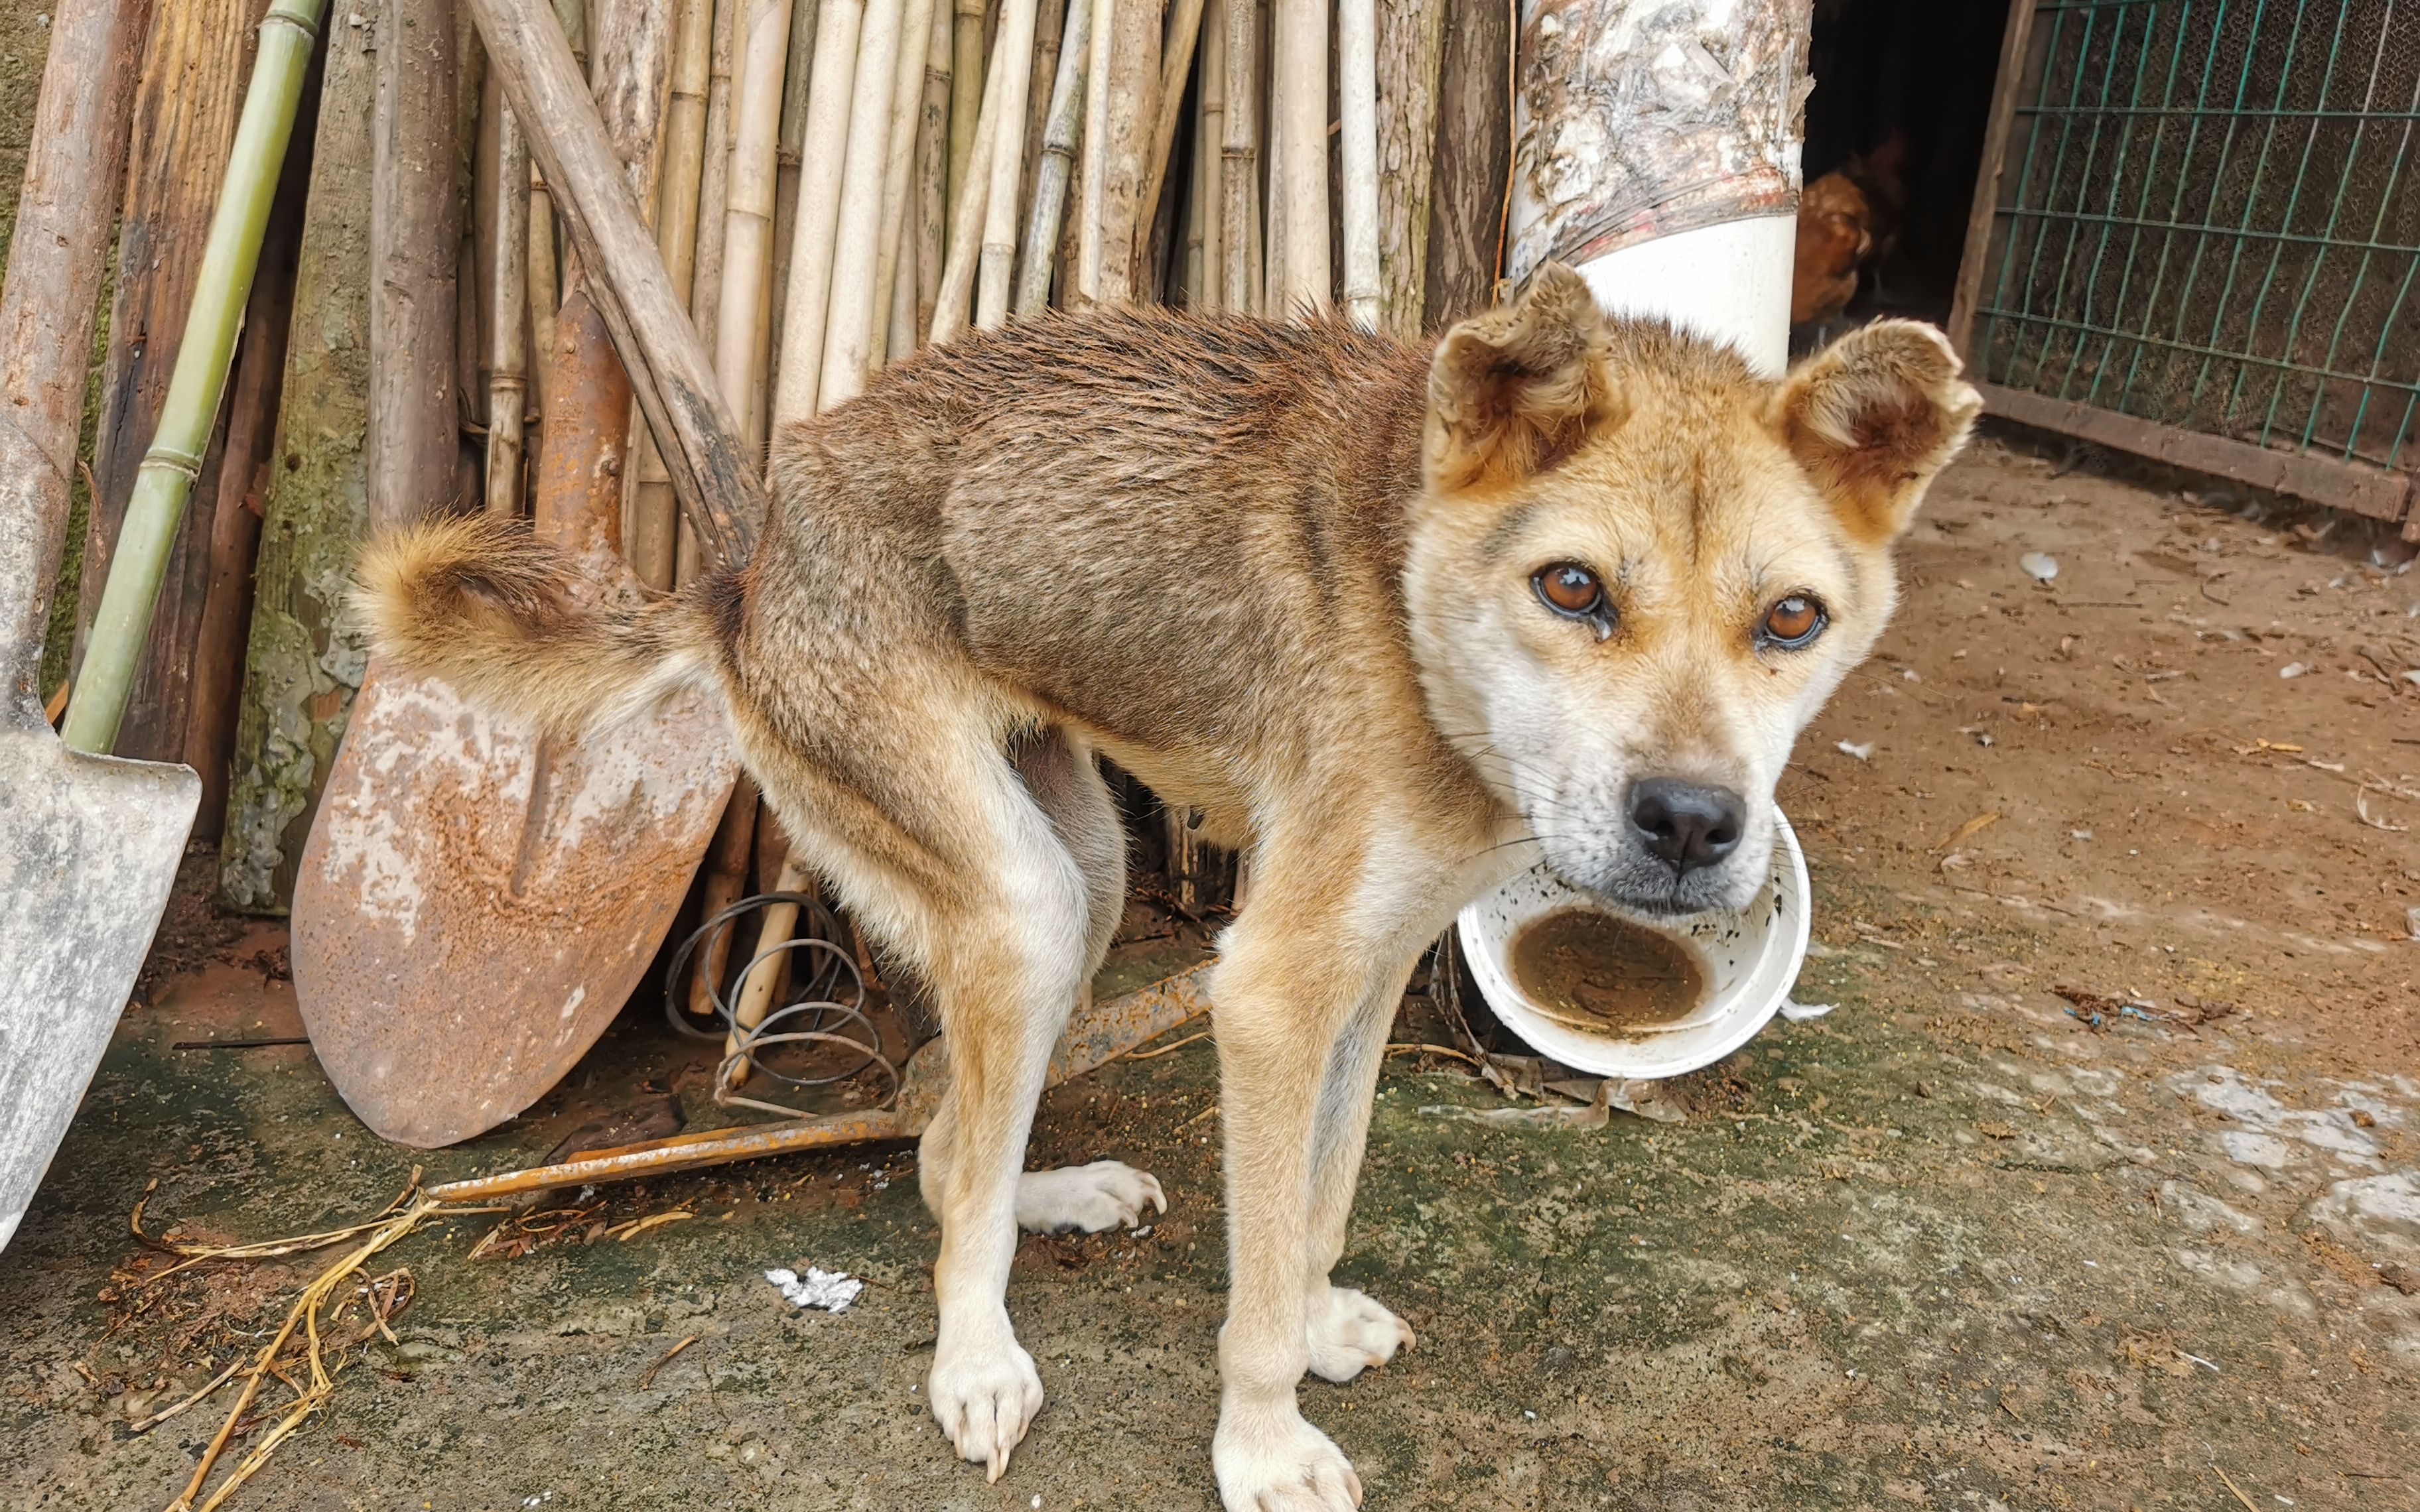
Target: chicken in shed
point(1835, 236)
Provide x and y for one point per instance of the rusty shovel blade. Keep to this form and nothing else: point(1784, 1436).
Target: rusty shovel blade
point(475, 903)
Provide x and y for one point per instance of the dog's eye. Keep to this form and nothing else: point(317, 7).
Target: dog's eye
point(1570, 589)
point(1794, 622)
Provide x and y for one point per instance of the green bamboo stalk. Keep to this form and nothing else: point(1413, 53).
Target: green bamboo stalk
point(288, 35)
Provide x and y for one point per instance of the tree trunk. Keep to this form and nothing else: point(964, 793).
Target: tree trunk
point(195, 65)
point(305, 658)
point(1134, 62)
point(74, 168)
point(1473, 159)
point(412, 445)
point(1410, 34)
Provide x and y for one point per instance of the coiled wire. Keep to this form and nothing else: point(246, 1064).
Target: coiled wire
point(822, 1005)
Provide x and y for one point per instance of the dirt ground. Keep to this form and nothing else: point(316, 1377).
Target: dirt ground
point(2099, 1187)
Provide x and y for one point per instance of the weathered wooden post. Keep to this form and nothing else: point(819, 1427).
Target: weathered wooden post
point(1655, 150)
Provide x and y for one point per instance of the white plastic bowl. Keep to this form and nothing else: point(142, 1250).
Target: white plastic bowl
point(1751, 957)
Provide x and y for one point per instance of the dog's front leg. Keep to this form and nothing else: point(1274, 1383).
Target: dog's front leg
point(1290, 977)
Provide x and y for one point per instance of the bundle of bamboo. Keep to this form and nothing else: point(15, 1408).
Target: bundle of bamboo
point(830, 185)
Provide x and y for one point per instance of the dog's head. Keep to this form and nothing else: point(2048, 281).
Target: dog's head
point(1637, 570)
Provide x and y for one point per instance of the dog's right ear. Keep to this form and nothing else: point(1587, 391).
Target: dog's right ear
point(1516, 391)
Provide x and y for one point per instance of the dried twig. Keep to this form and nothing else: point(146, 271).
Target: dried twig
point(664, 1359)
point(1164, 1050)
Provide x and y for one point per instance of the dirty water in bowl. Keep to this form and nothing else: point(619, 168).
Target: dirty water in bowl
point(1601, 974)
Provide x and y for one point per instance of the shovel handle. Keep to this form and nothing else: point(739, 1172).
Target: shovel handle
point(123, 622)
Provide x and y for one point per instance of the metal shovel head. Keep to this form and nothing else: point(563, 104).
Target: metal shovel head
point(88, 850)
point(474, 904)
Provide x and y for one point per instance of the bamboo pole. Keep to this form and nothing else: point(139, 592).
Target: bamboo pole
point(1049, 39)
point(1356, 87)
point(747, 215)
point(807, 302)
point(714, 177)
point(789, 161)
point(653, 545)
point(954, 301)
point(1301, 117)
point(507, 365)
point(1239, 168)
point(999, 262)
point(713, 204)
point(852, 315)
point(289, 34)
point(545, 291)
point(933, 171)
point(899, 329)
point(1207, 287)
point(1093, 201)
point(1059, 133)
point(966, 91)
point(1273, 192)
point(899, 159)
point(1184, 33)
point(720, 491)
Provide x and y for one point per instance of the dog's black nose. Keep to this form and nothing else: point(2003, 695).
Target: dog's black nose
point(1687, 823)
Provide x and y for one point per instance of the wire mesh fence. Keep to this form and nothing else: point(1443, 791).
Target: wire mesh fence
point(2209, 220)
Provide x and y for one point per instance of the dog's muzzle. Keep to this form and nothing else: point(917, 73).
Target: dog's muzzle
point(1672, 845)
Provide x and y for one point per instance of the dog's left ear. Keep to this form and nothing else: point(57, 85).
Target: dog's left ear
point(1873, 417)
point(1516, 391)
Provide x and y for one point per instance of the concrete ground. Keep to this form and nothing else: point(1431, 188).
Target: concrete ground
point(1980, 1238)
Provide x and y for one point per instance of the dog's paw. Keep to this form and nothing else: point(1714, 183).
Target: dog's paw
point(1352, 1332)
point(1107, 1194)
point(1274, 1462)
point(985, 1395)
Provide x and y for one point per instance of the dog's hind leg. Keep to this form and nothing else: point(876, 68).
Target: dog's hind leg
point(1059, 773)
point(943, 856)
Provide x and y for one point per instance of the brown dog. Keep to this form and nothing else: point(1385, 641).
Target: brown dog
point(1399, 620)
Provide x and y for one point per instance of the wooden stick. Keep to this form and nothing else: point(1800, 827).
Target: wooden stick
point(807, 303)
point(1301, 118)
point(545, 289)
point(508, 354)
point(748, 214)
point(1093, 204)
point(1184, 32)
point(1411, 34)
point(1239, 168)
point(1007, 166)
point(899, 159)
point(1207, 287)
point(1050, 178)
point(1357, 75)
point(967, 76)
point(955, 300)
point(933, 172)
point(1273, 248)
point(717, 486)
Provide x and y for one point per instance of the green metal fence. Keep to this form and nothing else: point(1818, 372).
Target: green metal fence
point(2207, 218)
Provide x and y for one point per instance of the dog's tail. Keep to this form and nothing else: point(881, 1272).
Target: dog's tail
point(502, 616)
